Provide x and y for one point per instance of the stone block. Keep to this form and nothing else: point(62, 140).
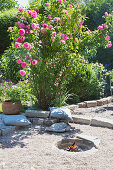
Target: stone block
point(81, 119)
point(100, 102)
point(92, 103)
point(7, 129)
point(103, 122)
point(36, 121)
point(82, 105)
point(37, 113)
point(109, 99)
point(105, 101)
point(49, 121)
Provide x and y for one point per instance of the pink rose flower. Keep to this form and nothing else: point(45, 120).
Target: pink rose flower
point(27, 45)
point(49, 16)
point(17, 44)
point(19, 40)
point(81, 23)
point(107, 38)
point(41, 29)
point(70, 6)
point(23, 65)
point(56, 19)
point(18, 23)
point(40, 41)
point(20, 9)
point(22, 25)
point(29, 11)
point(60, 1)
point(30, 58)
point(65, 36)
point(34, 14)
point(34, 26)
point(21, 31)
point(24, 18)
point(50, 27)
point(22, 38)
point(62, 41)
point(110, 44)
point(100, 27)
point(75, 39)
point(47, 4)
point(19, 61)
point(66, 12)
point(22, 72)
point(37, 10)
point(52, 21)
point(54, 33)
point(88, 32)
point(106, 14)
point(45, 26)
point(34, 62)
point(9, 28)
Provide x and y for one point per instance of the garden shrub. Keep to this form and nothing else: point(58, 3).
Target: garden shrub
point(9, 66)
point(48, 42)
point(7, 19)
point(86, 82)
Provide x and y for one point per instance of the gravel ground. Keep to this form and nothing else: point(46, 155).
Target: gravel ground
point(34, 149)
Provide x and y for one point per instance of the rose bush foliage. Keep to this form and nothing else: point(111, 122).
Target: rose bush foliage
point(48, 41)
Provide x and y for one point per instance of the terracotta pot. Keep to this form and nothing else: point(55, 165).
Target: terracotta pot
point(10, 108)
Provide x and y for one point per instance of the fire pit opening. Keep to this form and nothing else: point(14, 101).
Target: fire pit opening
point(75, 145)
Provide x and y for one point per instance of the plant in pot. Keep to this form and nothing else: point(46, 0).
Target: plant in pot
point(10, 97)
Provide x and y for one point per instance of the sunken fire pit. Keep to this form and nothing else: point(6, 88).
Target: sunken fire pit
point(77, 144)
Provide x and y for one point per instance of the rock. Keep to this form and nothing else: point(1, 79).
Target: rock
point(98, 121)
point(37, 113)
point(59, 127)
point(93, 139)
point(4, 130)
point(60, 113)
point(105, 101)
point(82, 105)
point(92, 103)
point(100, 102)
point(109, 99)
point(49, 121)
point(36, 121)
point(81, 119)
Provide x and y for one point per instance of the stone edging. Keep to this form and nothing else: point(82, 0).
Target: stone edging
point(95, 103)
point(95, 121)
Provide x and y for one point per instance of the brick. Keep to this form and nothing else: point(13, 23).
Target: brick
point(37, 113)
point(92, 103)
point(81, 119)
point(82, 105)
point(98, 121)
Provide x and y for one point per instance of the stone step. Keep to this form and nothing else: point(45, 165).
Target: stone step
point(98, 121)
point(37, 113)
point(81, 119)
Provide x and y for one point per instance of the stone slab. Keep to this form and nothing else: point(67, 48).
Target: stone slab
point(92, 103)
point(82, 105)
point(36, 121)
point(93, 139)
point(98, 121)
point(81, 119)
point(37, 113)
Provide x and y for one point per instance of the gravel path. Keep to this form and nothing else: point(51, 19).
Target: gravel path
point(32, 147)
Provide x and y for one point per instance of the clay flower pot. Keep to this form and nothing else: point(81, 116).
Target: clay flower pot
point(11, 108)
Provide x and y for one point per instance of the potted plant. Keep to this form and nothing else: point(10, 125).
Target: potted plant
point(10, 97)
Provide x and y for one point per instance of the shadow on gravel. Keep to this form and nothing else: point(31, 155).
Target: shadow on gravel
point(17, 138)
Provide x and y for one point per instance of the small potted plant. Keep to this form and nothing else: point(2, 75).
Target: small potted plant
point(10, 97)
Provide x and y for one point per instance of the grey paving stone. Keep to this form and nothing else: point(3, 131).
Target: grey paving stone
point(49, 121)
point(37, 113)
point(81, 119)
point(98, 121)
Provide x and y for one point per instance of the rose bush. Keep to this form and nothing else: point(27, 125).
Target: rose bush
point(55, 37)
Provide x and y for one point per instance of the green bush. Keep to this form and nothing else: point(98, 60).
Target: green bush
point(9, 66)
point(7, 19)
point(85, 83)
